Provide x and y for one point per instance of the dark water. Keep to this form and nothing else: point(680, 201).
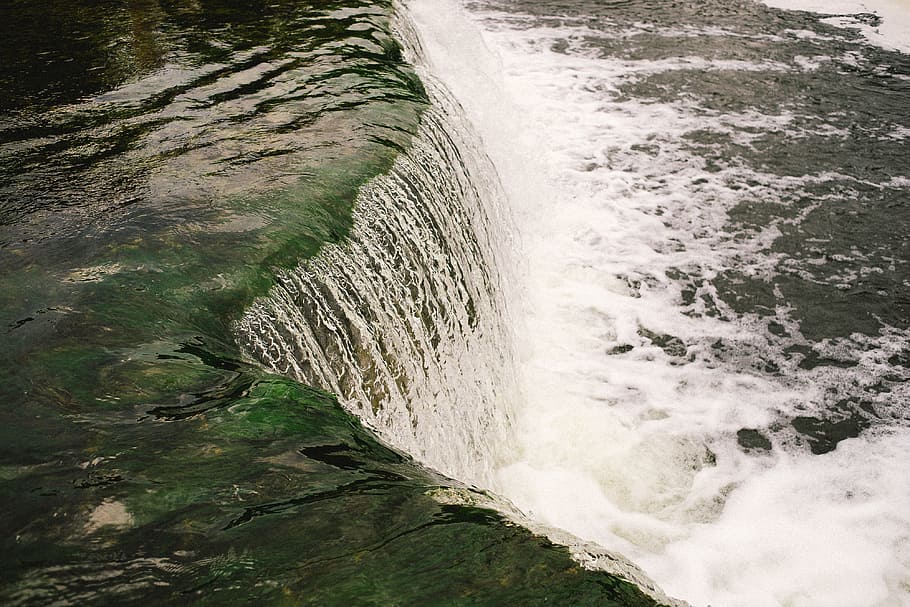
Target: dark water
point(160, 164)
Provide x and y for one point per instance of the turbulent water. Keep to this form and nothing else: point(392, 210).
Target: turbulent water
point(636, 271)
point(715, 317)
point(186, 186)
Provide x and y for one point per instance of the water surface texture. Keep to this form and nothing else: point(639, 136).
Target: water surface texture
point(714, 315)
point(162, 165)
point(486, 303)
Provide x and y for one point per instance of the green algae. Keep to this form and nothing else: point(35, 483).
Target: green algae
point(279, 498)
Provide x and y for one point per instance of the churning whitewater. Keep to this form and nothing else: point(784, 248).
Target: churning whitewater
point(713, 327)
point(680, 327)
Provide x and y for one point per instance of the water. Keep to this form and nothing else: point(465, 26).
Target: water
point(712, 199)
point(166, 167)
point(406, 320)
point(636, 272)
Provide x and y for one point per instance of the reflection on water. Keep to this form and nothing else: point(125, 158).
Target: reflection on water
point(160, 162)
point(174, 107)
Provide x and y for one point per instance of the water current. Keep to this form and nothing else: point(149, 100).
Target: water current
point(166, 170)
point(349, 302)
point(714, 324)
point(406, 320)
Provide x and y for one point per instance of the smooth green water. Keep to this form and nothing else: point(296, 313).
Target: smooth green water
point(274, 497)
point(160, 162)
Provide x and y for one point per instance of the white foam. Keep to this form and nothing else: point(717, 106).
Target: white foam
point(826, 530)
point(636, 449)
point(892, 33)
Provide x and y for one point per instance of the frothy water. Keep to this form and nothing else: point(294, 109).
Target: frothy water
point(698, 357)
point(885, 23)
point(712, 329)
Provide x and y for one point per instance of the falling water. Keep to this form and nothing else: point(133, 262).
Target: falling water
point(405, 320)
point(714, 334)
point(685, 392)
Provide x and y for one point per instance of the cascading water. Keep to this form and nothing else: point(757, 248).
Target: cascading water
point(408, 320)
point(680, 396)
point(712, 202)
point(160, 163)
point(405, 320)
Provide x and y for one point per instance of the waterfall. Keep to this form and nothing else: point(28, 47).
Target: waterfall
point(409, 319)
point(404, 319)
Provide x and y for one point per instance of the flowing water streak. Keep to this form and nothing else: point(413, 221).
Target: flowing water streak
point(403, 320)
point(659, 420)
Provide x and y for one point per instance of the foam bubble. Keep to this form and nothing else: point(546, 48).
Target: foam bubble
point(892, 31)
point(638, 379)
point(806, 531)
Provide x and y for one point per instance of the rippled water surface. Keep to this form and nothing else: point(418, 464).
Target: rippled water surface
point(160, 164)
